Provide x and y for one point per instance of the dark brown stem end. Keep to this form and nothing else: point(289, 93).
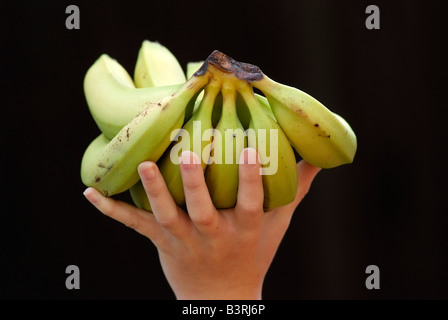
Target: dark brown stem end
point(241, 70)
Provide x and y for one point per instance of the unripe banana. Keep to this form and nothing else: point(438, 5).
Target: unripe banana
point(279, 167)
point(243, 113)
point(229, 140)
point(112, 168)
point(318, 135)
point(157, 66)
point(112, 97)
point(144, 71)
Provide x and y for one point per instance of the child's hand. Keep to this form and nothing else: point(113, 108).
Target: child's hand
point(209, 253)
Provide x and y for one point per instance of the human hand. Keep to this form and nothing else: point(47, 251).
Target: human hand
point(209, 253)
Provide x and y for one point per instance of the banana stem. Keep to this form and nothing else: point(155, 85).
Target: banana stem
point(208, 101)
point(251, 101)
point(229, 103)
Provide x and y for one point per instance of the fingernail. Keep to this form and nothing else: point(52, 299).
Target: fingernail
point(248, 157)
point(90, 195)
point(188, 160)
point(147, 171)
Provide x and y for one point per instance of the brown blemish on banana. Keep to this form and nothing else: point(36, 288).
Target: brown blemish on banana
point(127, 134)
point(244, 71)
point(300, 112)
point(324, 135)
point(101, 165)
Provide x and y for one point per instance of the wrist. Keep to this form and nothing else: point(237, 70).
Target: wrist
point(216, 293)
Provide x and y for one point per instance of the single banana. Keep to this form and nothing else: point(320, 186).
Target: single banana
point(318, 135)
point(229, 139)
point(112, 97)
point(243, 111)
point(144, 72)
point(111, 167)
point(279, 167)
point(266, 107)
point(157, 66)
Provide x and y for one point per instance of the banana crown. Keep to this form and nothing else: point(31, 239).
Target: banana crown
point(216, 113)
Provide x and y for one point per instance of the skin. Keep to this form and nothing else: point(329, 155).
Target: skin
point(209, 253)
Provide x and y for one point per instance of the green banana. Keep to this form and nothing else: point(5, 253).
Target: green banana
point(157, 66)
point(318, 135)
point(229, 140)
point(244, 114)
point(148, 73)
point(112, 97)
point(112, 167)
point(279, 168)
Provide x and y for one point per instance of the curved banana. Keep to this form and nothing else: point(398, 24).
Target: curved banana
point(229, 139)
point(156, 56)
point(157, 66)
point(319, 136)
point(244, 114)
point(275, 153)
point(112, 97)
point(112, 168)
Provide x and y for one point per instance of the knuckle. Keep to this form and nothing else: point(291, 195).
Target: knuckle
point(251, 208)
point(166, 222)
point(203, 220)
point(153, 192)
point(192, 184)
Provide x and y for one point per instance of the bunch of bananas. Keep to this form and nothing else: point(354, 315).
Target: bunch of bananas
point(214, 113)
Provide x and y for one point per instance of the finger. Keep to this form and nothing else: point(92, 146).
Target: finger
point(199, 204)
point(140, 220)
point(162, 203)
point(249, 206)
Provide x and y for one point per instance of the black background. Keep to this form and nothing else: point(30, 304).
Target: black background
point(388, 208)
